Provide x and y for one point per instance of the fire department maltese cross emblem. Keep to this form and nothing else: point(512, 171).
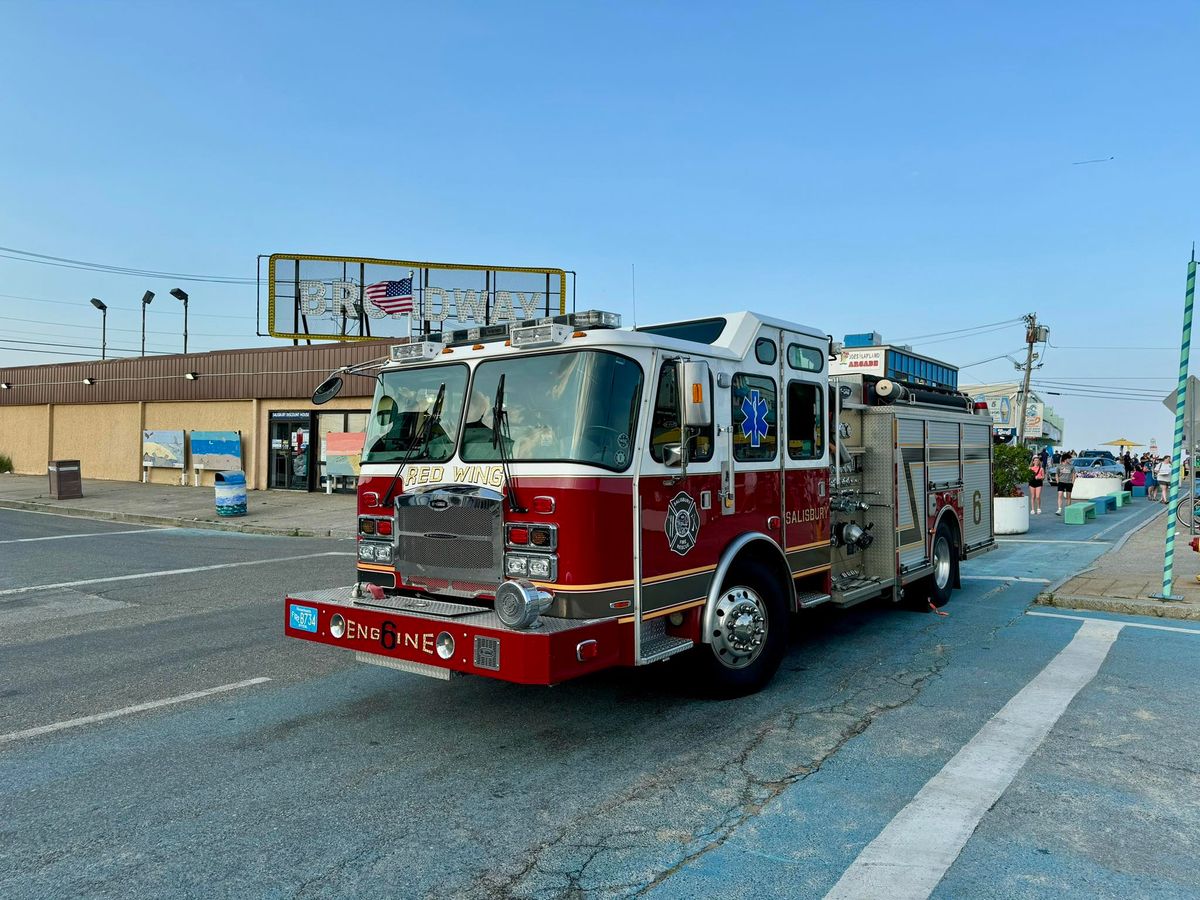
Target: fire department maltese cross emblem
point(754, 425)
point(683, 523)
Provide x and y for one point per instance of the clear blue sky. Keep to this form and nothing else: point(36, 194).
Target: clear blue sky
point(903, 167)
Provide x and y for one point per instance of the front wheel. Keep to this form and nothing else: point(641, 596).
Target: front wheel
point(1186, 511)
point(749, 634)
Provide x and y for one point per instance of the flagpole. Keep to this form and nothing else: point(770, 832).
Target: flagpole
point(1177, 454)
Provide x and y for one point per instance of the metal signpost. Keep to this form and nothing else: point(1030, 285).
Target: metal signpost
point(1177, 455)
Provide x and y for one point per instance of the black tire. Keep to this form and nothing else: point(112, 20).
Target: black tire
point(734, 663)
point(938, 587)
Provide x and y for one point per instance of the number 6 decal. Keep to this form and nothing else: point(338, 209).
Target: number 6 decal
point(977, 507)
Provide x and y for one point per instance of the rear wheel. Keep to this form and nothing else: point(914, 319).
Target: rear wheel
point(749, 634)
point(940, 584)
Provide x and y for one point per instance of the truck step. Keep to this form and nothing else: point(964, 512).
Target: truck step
point(404, 665)
point(657, 645)
point(809, 599)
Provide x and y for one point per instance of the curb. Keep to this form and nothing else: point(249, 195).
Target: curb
point(1130, 607)
point(1121, 605)
point(172, 521)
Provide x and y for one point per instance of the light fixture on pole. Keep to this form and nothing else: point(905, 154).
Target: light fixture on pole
point(180, 294)
point(103, 326)
point(146, 298)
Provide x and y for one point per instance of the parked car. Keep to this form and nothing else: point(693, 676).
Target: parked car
point(1090, 454)
point(1098, 464)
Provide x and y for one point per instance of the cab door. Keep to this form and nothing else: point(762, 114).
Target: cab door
point(806, 438)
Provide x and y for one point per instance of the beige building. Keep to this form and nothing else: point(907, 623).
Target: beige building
point(96, 412)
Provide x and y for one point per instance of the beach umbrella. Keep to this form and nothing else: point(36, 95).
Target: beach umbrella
point(1121, 442)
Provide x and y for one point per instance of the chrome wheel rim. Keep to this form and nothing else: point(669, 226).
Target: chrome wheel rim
point(740, 627)
point(941, 562)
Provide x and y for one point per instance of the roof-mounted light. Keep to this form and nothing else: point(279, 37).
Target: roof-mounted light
point(589, 318)
point(596, 318)
point(480, 334)
point(416, 351)
point(544, 335)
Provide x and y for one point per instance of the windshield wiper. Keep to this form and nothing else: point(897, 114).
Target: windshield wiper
point(500, 421)
point(419, 440)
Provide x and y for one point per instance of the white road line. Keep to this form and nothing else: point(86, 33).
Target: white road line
point(1021, 578)
point(252, 562)
point(1035, 541)
point(128, 710)
point(912, 854)
point(63, 537)
point(1046, 615)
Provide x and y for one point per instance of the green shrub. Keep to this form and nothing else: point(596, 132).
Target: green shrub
point(1010, 469)
point(5, 463)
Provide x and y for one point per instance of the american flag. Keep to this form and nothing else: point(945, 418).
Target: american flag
point(392, 297)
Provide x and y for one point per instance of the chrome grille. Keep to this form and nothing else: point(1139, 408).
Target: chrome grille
point(450, 534)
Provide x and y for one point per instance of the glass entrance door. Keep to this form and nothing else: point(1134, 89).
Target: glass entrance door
point(291, 453)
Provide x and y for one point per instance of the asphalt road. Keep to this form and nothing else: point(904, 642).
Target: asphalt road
point(884, 731)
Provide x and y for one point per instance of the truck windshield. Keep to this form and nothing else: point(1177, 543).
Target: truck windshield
point(577, 406)
point(404, 400)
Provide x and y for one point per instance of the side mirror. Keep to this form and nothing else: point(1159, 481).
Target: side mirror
point(694, 404)
point(673, 456)
point(327, 389)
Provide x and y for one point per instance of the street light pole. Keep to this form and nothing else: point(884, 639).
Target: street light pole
point(103, 327)
point(179, 294)
point(146, 298)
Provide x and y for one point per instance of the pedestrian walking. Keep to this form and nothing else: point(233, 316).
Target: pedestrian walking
point(1163, 475)
point(1066, 479)
point(1037, 476)
point(1151, 481)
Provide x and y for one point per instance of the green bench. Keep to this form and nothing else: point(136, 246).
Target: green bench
point(1107, 503)
point(1123, 498)
point(1079, 513)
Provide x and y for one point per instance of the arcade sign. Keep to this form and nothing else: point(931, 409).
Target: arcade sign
point(350, 298)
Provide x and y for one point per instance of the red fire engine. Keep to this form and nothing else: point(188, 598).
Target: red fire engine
point(546, 500)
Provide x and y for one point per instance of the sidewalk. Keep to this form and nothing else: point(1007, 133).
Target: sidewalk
point(293, 513)
point(1124, 579)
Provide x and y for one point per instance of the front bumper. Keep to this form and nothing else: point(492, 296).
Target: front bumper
point(403, 632)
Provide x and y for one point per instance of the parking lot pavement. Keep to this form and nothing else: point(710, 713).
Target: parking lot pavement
point(336, 780)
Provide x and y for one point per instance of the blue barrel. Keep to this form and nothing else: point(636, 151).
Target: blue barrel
point(231, 494)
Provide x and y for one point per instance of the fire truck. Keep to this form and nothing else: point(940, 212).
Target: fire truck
point(541, 501)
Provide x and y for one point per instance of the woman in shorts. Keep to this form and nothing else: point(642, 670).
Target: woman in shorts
point(1037, 476)
point(1151, 481)
point(1066, 478)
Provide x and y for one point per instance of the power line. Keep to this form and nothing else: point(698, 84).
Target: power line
point(130, 330)
point(153, 312)
point(917, 337)
point(965, 336)
point(63, 262)
point(990, 359)
point(83, 346)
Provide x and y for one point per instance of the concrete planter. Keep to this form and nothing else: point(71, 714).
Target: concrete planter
point(1091, 488)
point(1010, 515)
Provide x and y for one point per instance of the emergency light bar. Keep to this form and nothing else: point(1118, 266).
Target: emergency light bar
point(416, 351)
point(546, 335)
point(480, 335)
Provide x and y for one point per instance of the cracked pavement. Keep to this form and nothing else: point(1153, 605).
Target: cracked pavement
point(338, 780)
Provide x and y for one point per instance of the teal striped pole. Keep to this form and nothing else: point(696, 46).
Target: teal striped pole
point(1177, 454)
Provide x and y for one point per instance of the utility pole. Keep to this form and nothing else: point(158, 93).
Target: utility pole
point(1031, 334)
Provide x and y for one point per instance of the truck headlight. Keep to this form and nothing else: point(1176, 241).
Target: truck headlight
point(519, 603)
point(542, 566)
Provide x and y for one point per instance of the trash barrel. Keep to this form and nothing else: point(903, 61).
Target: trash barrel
point(65, 479)
point(231, 493)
